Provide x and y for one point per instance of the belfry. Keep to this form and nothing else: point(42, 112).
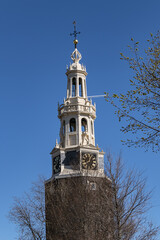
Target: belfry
point(74, 194)
point(76, 153)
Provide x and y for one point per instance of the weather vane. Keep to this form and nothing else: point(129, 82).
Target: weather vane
point(75, 33)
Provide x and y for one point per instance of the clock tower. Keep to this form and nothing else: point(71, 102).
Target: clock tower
point(76, 152)
point(74, 191)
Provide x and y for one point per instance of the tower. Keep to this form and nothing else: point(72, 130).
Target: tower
point(78, 195)
point(76, 153)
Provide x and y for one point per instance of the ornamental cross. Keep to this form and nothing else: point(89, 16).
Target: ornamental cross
point(75, 33)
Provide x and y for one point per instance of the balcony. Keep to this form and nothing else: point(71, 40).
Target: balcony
point(77, 108)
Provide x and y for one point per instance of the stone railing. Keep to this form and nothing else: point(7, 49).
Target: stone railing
point(76, 108)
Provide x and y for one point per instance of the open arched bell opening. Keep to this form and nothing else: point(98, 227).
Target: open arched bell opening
point(72, 124)
point(84, 125)
point(80, 87)
point(73, 87)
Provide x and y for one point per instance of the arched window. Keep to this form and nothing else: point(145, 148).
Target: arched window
point(73, 87)
point(72, 125)
point(84, 125)
point(80, 87)
point(63, 128)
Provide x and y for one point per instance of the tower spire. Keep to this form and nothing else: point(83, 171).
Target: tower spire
point(75, 33)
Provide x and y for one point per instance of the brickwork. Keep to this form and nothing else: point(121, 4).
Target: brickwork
point(78, 208)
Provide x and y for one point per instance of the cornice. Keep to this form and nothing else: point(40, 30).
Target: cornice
point(76, 71)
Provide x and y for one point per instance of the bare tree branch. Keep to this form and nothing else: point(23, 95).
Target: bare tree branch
point(121, 204)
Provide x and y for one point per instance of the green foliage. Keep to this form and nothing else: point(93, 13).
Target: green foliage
point(140, 105)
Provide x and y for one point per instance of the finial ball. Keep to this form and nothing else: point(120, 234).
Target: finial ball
point(75, 41)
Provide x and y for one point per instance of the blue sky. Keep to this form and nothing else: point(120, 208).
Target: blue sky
point(35, 48)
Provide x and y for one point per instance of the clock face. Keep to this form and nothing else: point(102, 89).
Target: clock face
point(89, 161)
point(56, 164)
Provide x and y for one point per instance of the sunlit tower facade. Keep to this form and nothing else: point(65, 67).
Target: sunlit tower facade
point(78, 185)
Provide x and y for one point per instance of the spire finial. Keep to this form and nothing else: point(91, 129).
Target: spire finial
point(75, 33)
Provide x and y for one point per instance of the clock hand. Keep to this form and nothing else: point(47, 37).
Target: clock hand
point(89, 160)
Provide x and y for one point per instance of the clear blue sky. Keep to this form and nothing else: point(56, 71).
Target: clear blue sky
point(35, 48)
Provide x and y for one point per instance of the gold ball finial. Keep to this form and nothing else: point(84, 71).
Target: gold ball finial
point(75, 41)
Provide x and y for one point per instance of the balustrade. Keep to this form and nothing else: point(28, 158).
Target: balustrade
point(76, 108)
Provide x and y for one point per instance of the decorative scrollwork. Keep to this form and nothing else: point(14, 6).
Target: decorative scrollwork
point(76, 56)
